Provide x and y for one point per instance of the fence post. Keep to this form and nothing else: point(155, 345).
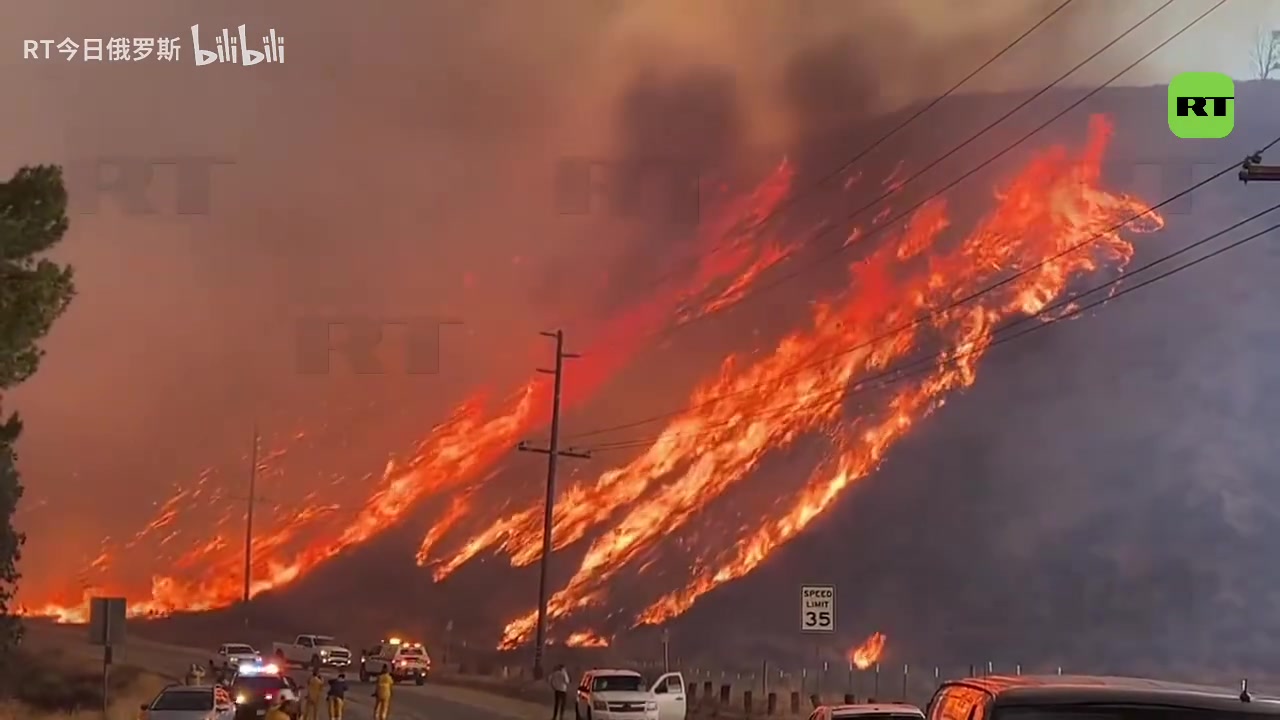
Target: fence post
point(822, 679)
point(877, 681)
point(991, 668)
point(1059, 669)
point(1017, 669)
point(771, 703)
point(746, 701)
point(764, 678)
point(971, 670)
point(804, 679)
point(848, 686)
point(906, 672)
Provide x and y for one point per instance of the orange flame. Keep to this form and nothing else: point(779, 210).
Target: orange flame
point(454, 456)
point(746, 412)
point(869, 652)
point(586, 638)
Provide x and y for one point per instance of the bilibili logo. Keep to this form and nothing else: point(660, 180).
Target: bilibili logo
point(1202, 105)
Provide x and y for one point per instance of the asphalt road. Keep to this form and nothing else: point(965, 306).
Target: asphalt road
point(408, 701)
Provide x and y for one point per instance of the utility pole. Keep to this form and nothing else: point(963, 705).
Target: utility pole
point(251, 500)
point(248, 523)
point(553, 453)
point(1252, 170)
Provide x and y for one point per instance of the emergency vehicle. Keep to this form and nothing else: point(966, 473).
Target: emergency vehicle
point(404, 660)
point(257, 684)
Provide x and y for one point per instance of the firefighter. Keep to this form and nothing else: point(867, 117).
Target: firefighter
point(315, 696)
point(275, 710)
point(382, 694)
point(337, 696)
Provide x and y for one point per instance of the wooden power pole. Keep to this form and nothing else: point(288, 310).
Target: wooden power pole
point(553, 453)
point(250, 501)
point(1254, 171)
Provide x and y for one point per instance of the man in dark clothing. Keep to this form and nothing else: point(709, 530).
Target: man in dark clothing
point(559, 682)
point(337, 696)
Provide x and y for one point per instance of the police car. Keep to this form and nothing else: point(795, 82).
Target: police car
point(257, 685)
point(404, 660)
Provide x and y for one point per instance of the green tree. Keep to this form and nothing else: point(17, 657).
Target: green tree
point(34, 292)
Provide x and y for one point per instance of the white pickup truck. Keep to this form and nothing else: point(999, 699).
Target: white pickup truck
point(313, 651)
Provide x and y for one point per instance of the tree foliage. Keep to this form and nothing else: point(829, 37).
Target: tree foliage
point(1266, 53)
point(34, 292)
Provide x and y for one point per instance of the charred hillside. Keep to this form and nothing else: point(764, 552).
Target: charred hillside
point(1098, 499)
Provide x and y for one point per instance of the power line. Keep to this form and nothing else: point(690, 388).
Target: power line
point(793, 199)
point(925, 317)
point(758, 289)
point(928, 364)
point(1001, 283)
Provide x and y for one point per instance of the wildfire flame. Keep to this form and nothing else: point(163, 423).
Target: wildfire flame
point(869, 652)
point(732, 250)
point(811, 387)
point(1052, 205)
point(586, 639)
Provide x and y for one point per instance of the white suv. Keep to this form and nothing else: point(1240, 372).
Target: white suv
point(624, 695)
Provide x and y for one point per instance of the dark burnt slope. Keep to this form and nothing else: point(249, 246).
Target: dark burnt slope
point(1101, 499)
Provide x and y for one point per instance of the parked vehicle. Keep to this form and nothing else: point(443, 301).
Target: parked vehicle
point(1054, 697)
point(190, 702)
point(624, 695)
point(314, 651)
point(404, 660)
point(232, 655)
point(868, 711)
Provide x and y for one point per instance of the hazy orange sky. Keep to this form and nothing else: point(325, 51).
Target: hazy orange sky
point(399, 162)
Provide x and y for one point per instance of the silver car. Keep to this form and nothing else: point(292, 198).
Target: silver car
point(191, 702)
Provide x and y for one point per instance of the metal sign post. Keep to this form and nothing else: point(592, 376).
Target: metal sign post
point(666, 650)
point(107, 628)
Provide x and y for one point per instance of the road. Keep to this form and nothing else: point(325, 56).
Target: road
point(408, 701)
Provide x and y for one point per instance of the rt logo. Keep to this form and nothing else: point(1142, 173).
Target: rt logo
point(1202, 105)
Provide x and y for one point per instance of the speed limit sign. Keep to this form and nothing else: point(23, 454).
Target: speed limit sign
point(818, 608)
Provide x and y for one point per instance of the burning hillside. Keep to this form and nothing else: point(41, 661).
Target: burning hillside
point(833, 381)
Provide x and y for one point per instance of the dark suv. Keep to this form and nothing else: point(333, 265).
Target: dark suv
point(253, 693)
point(1066, 697)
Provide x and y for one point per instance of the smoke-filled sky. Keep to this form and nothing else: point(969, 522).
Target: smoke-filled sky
point(400, 163)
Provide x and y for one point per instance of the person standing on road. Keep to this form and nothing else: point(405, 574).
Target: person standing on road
point(559, 681)
point(382, 694)
point(337, 696)
point(275, 711)
point(315, 696)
